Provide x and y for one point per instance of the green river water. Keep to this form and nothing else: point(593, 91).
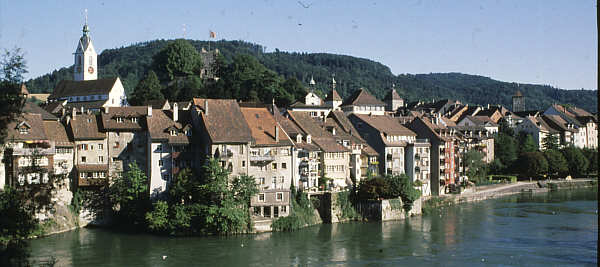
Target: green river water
point(552, 229)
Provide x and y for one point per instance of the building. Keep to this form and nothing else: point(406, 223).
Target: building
point(393, 101)
point(361, 102)
point(333, 99)
point(480, 121)
point(388, 137)
point(313, 105)
point(417, 159)
point(91, 149)
point(442, 153)
point(538, 128)
point(169, 146)
point(86, 91)
point(518, 102)
point(222, 133)
point(271, 154)
point(586, 124)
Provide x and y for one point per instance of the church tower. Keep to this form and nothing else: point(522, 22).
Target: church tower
point(518, 102)
point(86, 63)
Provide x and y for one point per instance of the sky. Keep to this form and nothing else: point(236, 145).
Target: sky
point(535, 41)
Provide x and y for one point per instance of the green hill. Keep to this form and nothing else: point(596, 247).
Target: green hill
point(351, 73)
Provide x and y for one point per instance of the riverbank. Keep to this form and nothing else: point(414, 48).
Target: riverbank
point(497, 191)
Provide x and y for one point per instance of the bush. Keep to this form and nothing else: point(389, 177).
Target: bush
point(576, 161)
point(300, 216)
point(389, 187)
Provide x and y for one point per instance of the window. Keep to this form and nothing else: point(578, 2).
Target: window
point(279, 196)
point(160, 162)
point(116, 145)
point(284, 165)
point(119, 119)
point(82, 175)
point(281, 181)
point(274, 166)
point(114, 159)
point(100, 146)
point(243, 163)
point(261, 180)
point(95, 174)
point(261, 197)
point(283, 209)
point(102, 174)
point(83, 159)
point(188, 132)
point(159, 148)
point(134, 119)
point(101, 159)
point(173, 133)
point(23, 130)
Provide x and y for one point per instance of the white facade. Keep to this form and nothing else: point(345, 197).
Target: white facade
point(366, 109)
point(159, 167)
point(85, 58)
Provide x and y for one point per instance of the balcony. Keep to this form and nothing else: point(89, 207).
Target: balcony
point(33, 151)
point(266, 157)
point(92, 181)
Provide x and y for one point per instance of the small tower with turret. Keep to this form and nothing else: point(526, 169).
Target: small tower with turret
point(392, 100)
point(333, 99)
point(86, 63)
point(518, 102)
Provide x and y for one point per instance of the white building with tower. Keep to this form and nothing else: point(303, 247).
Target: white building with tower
point(86, 91)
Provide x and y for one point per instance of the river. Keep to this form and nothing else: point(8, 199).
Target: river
point(557, 228)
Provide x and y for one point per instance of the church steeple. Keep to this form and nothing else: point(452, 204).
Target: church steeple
point(85, 60)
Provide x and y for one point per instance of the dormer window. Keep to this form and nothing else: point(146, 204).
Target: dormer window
point(299, 138)
point(23, 130)
point(134, 120)
point(188, 132)
point(308, 139)
point(173, 132)
point(119, 119)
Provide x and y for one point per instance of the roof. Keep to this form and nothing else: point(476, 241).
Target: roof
point(161, 123)
point(263, 127)
point(67, 88)
point(481, 120)
point(86, 127)
point(158, 104)
point(34, 125)
point(54, 107)
point(35, 109)
point(557, 122)
point(224, 121)
point(57, 132)
point(385, 124)
point(324, 139)
point(392, 95)
point(299, 104)
point(24, 90)
point(518, 93)
point(41, 97)
point(91, 167)
point(333, 96)
point(369, 151)
point(86, 105)
point(526, 113)
point(540, 123)
point(361, 97)
point(109, 119)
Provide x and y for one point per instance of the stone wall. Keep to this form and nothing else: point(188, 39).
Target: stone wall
point(387, 210)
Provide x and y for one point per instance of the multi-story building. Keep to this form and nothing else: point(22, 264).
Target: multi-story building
point(222, 133)
point(91, 149)
point(169, 146)
point(361, 102)
point(538, 128)
point(442, 152)
point(271, 154)
point(585, 123)
point(417, 161)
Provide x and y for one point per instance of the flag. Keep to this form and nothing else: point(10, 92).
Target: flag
point(212, 34)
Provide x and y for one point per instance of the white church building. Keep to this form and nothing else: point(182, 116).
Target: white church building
point(86, 91)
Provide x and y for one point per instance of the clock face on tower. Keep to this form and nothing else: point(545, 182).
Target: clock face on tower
point(91, 69)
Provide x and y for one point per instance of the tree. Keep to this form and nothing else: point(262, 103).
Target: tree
point(592, 156)
point(532, 164)
point(475, 167)
point(147, 89)
point(17, 223)
point(550, 142)
point(526, 143)
point(557, 164)
point(375, 188)
point(505, 147)
point(576, 161)
point(12, 68)
point(178, 59)
point(129, 196)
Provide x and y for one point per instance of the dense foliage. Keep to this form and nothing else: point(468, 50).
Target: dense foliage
point(17, 223)
point(576, 161)
point(532, 164)
point(557, 164)
point(475, 167)
point(12, 68)
point(301, 214)
point(391, 186)
point(131, 63)
point(204, 204)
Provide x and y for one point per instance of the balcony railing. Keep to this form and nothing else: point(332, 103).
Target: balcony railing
point(33, 151)
point(92, 181)
point(267, 157)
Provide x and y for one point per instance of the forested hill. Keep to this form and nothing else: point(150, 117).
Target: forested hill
point(131, 63)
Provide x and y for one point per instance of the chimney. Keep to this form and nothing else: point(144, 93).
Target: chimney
point(149, 111)
point(205, 106)
point(175, 112)
point(276, 134)
point(74, 112)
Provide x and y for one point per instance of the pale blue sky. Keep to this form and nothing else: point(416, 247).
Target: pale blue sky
point(542, 42)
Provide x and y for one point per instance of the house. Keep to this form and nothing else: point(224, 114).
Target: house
point(222, 133)
point(566, 130)
point(476, 137)
point(417, 164)
point(537, 127)
point(313, 105)
point(271, 153)
point(334, 161)
point(388, 137)
point(585, 123)
point(28, 153)
point(64, 148)
point(86, 91)
point(442, 153)
point(91, 149)
point(482, 121)
point(125, 129)
point(361, 102)
point(169, 145)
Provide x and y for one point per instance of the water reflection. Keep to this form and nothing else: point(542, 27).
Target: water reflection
point(556, 228)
